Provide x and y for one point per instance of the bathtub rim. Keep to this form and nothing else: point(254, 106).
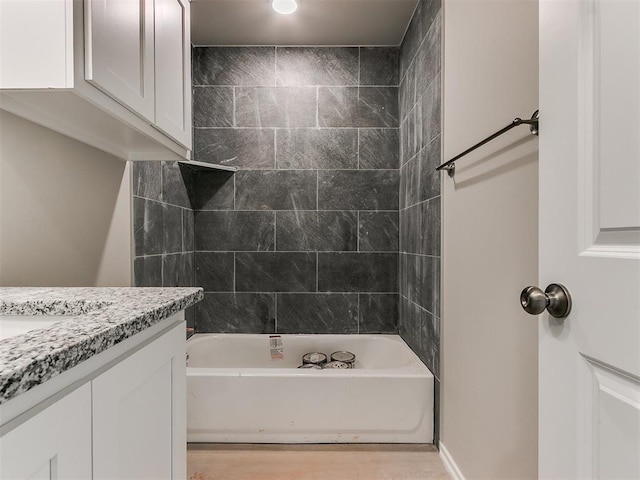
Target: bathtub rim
point(414, 370)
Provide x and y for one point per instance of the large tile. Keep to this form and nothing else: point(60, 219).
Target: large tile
point(317, 66)
point(409, 322)
point(428, 60)
point(147, 271)
point(176, 184)
point(358, 272)
point(358, 107)
point(317, 148)
point(430, 9)
point(430, 342)
point(378, 107)
point(148, 227)
point(430, 178)
point(410, 173)
point(276, 107)
point(430, 227)
point(147, 180)
point(234, 66)
point(316, 231)
point(215, 271)
point(358, 190)
point(407, 92)
point(423, 280)
point(213, 190)
point(244, 147)
point(379, 65)
point(236, 313)
point(379, 148)
point(213, 107)
point(177, 270)
point(234, 231)
point(378, 313)
point(172, 229)
point(431, 111)
point(276, 190)
point(338, 107)
point(275, 272)
point(411, 229)
point(412, 39)
point(188, 230)
point(317, 313)
point(378, 232)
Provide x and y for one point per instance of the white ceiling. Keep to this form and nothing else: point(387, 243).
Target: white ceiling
point(316, 22)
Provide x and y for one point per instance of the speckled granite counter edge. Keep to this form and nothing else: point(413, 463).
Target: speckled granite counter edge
point(103, 317)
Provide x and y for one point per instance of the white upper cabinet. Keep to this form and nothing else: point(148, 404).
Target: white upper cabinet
point(173, 68)
point(27, 59)
point(115, 74)
point(119, 51)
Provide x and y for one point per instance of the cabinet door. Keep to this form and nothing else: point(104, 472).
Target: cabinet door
point(139, 414)
point(173, 69)
point(55, 443)
point(119, 51)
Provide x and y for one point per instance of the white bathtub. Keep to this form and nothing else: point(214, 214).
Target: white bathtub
point(236, 393)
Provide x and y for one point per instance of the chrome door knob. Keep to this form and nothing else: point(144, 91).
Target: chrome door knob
point(556, 299)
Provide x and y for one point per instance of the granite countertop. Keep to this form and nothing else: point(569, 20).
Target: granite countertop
point(103, 317)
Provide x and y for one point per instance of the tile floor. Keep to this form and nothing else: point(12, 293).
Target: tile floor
point(314, 462)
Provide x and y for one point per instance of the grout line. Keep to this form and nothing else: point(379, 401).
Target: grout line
point(234, 272)
point(311, 293)
point(358, 317)
point(317, 272)
point(234, 108)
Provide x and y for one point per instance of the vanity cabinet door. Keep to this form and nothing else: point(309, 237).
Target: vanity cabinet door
point(119, 51)
point(55, 443)
point(139, 424)
point(173, 69)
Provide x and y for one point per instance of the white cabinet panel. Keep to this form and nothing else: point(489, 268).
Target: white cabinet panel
point(173, 69)
point(27, 59)
point(137, 410)
point(54, 444)
point(119, 49)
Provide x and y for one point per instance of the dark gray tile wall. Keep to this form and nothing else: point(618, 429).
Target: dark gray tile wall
point(163, 225)
point(304, 238)
point(420, 153)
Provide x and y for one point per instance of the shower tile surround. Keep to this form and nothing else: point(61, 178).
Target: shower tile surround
point(332, 223)
point(420, 154)
point(303, 238)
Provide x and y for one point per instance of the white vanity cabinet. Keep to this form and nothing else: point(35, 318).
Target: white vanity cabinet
point(115, 74)
point(139, 422)
point(124, 418)
point(55, 443)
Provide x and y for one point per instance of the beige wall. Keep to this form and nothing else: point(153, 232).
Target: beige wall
point(64, 210)
point(490, 217)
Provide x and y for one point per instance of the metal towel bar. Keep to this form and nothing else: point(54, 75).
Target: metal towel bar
point(450, 166)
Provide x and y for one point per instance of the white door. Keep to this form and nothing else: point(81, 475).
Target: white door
point(590, 238)
point(119, 48)
point(173, 69)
